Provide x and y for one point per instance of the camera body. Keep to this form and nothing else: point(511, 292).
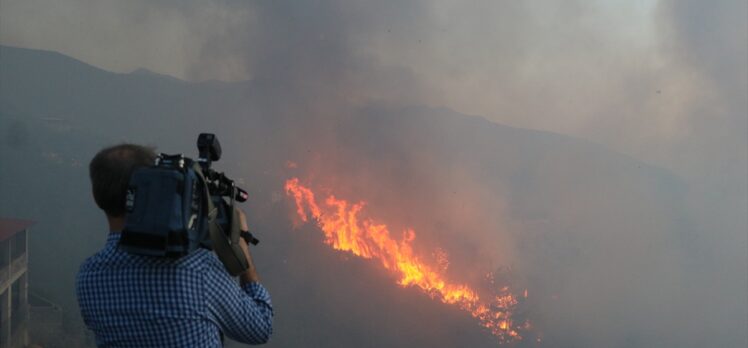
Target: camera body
point(179, 205)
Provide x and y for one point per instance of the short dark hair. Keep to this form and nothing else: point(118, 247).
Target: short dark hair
point(110, 172)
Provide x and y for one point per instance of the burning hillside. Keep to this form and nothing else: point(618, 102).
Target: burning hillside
point(347, 229)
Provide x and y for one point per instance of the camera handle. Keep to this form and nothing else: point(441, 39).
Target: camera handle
point(226, 247)
point(235, 228)
point(249, 237)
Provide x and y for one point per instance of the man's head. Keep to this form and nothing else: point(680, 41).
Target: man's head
point(110, 172)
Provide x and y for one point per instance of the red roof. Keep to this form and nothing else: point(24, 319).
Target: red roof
point(9, 227)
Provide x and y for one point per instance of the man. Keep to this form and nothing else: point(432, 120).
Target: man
point(130, 300)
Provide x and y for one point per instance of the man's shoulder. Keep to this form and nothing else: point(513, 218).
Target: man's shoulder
point(200, 260)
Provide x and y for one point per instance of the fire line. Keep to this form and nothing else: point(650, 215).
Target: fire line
point(346, 230)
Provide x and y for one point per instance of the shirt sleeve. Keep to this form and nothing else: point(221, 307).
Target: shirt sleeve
point(244, 313)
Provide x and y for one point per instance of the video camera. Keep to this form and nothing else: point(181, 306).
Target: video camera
point(179, 205)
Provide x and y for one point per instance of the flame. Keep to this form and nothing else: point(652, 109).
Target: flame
point(344, 229)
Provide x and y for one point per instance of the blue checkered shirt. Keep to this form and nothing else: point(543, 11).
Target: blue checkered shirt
point(139, 301)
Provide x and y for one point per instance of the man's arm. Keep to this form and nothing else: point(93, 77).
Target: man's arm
point(250, 275)
point(244, 313)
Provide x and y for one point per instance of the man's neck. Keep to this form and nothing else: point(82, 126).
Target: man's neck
point(116, 224)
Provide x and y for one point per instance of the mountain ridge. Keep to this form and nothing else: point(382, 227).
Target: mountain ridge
point(20, 56)
point(564, 212)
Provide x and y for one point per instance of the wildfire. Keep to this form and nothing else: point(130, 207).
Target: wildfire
point(346, 230)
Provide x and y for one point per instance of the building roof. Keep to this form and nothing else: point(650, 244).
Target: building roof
point(9, 227)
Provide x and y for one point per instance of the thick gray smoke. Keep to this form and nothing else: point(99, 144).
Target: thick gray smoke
point(629, 231)
point(663, 81)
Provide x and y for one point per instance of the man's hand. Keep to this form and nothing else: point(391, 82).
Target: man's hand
point(250, 275)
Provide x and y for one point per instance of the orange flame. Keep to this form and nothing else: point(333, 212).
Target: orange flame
point(345, 230)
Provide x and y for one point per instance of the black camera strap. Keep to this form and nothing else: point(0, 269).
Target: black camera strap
point(226, 246)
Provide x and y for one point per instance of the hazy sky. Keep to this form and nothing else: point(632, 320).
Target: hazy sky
point(665, 81)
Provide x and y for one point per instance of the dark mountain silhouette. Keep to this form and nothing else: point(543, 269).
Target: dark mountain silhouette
point(597, 236)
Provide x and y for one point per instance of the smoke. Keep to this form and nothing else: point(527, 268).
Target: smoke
point(661, 81)
point(125, 36)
